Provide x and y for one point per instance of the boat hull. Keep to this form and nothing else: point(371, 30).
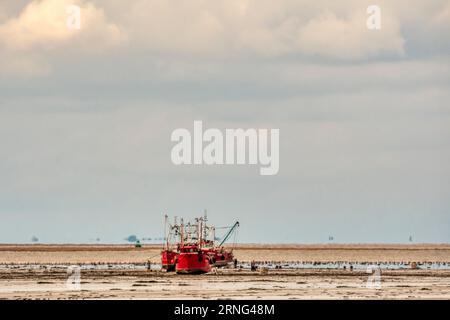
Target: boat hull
point(168, 260)
point(220, 258)
point(192, 263)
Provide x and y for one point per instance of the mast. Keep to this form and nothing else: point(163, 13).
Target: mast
point(205, 229)
point(166, 238)
point(197, 229)
point(182, 232)
point(175, 226)
point(200, 233)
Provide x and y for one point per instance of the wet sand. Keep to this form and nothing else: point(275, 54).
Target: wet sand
point(245, 253)
point(39, 272)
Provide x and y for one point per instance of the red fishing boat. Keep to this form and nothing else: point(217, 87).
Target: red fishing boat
point(170, 252)
point(168, 259)
point(220, 256)
point(193, 260)
point(191, 247)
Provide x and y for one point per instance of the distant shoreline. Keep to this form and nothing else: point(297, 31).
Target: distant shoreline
point(253, 246)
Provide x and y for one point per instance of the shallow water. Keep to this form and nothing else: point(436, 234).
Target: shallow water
point(269, 265)
point(356, 266)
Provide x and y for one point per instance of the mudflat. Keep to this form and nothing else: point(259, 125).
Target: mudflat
point(119, 272)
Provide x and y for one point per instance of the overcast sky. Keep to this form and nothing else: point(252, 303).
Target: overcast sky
point(364, 118)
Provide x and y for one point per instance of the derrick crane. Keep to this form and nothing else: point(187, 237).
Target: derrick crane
point(229, 233)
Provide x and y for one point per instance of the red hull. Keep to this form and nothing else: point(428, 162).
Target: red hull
point(192, 261)
point(168, 260)
point(223, 259)
point(220, 258)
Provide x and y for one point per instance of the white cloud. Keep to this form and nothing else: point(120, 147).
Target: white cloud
point(37, 36)
point(331, 36)
point(43, 25)
point(262, 28)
